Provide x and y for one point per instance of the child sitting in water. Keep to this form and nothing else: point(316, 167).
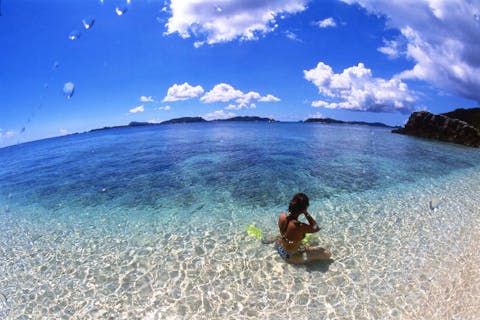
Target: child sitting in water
point(292, 231)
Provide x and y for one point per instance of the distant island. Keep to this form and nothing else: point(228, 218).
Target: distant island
point(361, 123)
point(248, 118)
point(131, 124)
point(240, 119)
point(184, 120)
point(461, 126)
point(188, 120)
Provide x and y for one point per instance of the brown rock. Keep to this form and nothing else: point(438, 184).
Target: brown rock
point(440, 127)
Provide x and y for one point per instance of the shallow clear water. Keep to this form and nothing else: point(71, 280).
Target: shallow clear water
point(150, 223)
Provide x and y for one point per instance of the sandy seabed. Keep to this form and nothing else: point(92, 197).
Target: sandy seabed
point(395, 257)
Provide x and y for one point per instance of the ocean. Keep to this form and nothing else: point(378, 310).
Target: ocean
point(150, 223)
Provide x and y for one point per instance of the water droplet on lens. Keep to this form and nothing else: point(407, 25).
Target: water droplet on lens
point(68, 89)
point(74, 35)
point(120, 10)
point(88, 22)
point(56, 65)
point(23, 130)
point(476, 17)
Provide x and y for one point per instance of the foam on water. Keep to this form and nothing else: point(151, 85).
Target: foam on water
point(187, 255)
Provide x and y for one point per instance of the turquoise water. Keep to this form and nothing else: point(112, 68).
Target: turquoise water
point(150, 223)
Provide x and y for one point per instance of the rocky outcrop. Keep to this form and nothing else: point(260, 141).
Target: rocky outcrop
point(440, 127)
point(470, 116)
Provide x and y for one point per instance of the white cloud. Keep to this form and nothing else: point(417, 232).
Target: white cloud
point(221, 93)
point(356, 89)
point(326, 23)
point(320, 104)
point(63, 132)
point(241, 106)
point(166, 108)
point(137, 109)
point(247, 97)
point(391, 48)
point(219, 114)
point(183, 92)
point(232, 107)
point(146, 99)
point(441, 37)
point(224, 92)
point(269, 98)
point(222, 21)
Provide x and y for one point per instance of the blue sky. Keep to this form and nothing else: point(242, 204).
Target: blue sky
point(370, 60)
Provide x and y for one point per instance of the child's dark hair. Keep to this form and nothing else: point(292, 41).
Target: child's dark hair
point(298, 203)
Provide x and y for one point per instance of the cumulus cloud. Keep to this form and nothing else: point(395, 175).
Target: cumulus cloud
point(137, 109)
point(269, 98)
point(146, 99)
point(241, 106)
point(231, 107)
point(356, 89)
point(247, 97)
point(63, 132)
point(219, 114)
point(224, 92)
point(391, 48)
point(222, 21)
point(183, 92)
point(166, 108)
point(326, 23)
point(441, 37)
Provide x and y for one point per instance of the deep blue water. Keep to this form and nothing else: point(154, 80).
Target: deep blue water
point(186, 166)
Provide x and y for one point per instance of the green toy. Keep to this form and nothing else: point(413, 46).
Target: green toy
point(306, 238)
point(254, 232)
